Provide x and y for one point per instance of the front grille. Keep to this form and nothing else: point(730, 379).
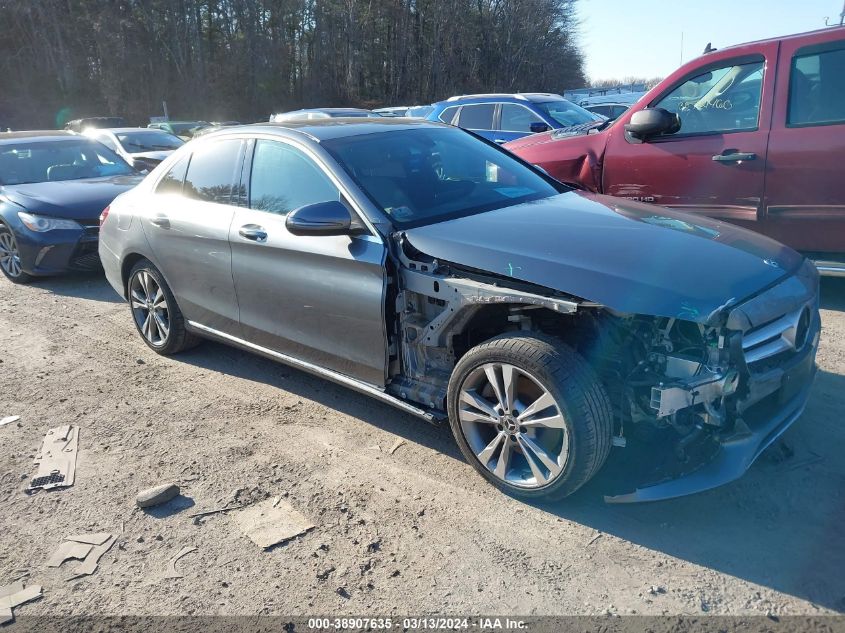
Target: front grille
point(787, 333)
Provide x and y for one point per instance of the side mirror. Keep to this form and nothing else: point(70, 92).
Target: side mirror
point(538, 126)
point(652, 122)
point(321, 218)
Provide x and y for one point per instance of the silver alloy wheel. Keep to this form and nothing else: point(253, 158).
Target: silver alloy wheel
point(513, 425)
point(149, 307)
point(10, 259)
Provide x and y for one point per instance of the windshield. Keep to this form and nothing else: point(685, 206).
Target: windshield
point(567, 113)
point(42, 161)
point(148, 141)
point(428, 175)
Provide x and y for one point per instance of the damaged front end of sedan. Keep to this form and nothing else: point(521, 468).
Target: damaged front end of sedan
point(699, 396)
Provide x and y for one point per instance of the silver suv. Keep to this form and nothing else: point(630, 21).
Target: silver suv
point(425, 267)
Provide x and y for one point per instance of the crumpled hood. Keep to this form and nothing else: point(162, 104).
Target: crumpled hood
point(628, 256)
point(71, 199)
point(156, 156)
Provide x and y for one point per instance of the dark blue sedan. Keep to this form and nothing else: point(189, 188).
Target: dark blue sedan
point(53, 187)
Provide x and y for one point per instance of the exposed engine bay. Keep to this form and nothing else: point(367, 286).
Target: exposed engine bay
point(687, 383)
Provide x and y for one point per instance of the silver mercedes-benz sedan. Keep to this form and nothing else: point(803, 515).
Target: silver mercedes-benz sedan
point(428, 268)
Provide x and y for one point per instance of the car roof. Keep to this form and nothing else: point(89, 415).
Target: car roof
point(338, 127)
point(517, 97)
point(36, 135)
point(784, 38)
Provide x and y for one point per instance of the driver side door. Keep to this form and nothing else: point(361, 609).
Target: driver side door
point(715, 164)
point(316, 298)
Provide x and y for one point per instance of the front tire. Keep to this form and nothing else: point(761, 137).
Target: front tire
point(10, 257)
point(156, 314)
point(530, 415)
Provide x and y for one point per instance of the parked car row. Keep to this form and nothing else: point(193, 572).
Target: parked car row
point(426, 266)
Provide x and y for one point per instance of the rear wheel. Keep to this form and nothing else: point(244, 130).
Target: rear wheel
point(155, 312)
point(10, 258)
point(530, 415)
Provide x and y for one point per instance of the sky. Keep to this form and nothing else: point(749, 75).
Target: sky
point(642, 38)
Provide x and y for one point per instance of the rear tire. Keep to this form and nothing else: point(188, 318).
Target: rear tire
point(156, 314)
point(10, 258)
point(530, 415)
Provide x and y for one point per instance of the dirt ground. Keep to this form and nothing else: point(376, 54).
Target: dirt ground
point(413, 532)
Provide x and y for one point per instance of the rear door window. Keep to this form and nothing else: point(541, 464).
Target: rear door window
point(477, 117)
point(817, 87)
point(212, 171)
point(284, 178)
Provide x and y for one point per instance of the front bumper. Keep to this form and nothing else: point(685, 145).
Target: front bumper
point(58, 251)
point(763, 423)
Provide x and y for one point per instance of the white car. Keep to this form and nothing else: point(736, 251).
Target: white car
point(142, 148)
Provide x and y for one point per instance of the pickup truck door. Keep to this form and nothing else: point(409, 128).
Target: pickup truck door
point(805, 206)
point(319, 298)
point(715, 164)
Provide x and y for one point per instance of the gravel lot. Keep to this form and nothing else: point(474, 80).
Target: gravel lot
point(416, 531)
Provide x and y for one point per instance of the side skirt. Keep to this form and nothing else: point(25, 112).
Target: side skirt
point(316, 370)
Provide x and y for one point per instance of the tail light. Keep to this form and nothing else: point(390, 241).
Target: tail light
point(104, 215)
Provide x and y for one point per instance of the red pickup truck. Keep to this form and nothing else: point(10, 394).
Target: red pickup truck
point(753, 134)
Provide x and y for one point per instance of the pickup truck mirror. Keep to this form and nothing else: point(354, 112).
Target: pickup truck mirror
point(538, 126)
point(321, 218)
point(652, 122)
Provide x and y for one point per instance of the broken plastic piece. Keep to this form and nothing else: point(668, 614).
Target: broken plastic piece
point(271, 522)
point(92, 539)
point(89, 566)
point(171, 572)
point(68, 550)
point(13, 595)
point(57, 458)
point(9, 419)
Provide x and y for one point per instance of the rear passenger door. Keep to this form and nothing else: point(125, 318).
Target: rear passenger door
point(188, 231)
point(317, 298)
point(805, 207)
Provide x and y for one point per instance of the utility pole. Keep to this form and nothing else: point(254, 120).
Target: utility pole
point(682, 48)
point(842, 15)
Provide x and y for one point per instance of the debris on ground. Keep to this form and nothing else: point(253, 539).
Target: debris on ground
point(92, 539)
point(9, 419)
point(205, 513)
point(156, 495)
point(399, 443)
point(57, 458)
point(271, 522)
point(171, 571)
point(14, 595)
point(595, 538)
point(69, 550)
point(89, 565)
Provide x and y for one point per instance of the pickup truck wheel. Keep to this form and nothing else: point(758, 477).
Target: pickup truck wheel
point(155, 312)
point(530, 415)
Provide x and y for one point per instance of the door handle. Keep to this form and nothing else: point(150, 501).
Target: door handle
point(253, 232)
point(501, 141)
point(734, 157)
point(160, 220)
